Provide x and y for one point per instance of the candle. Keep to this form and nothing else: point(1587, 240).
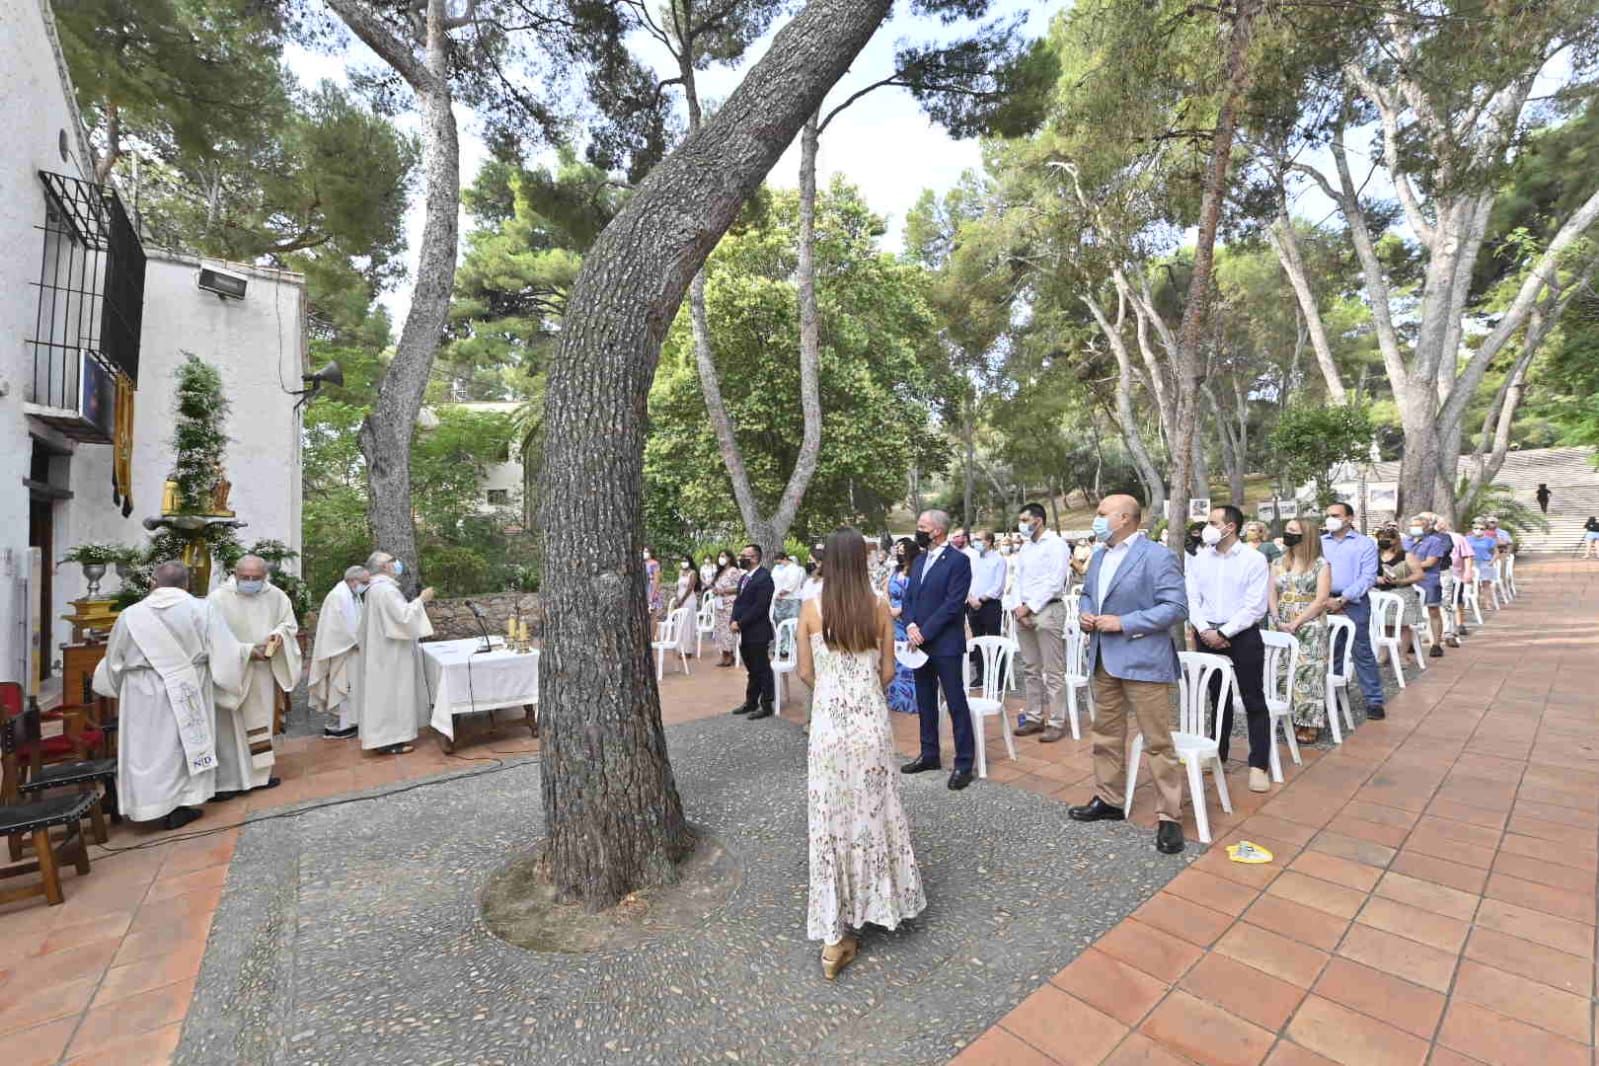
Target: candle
point(510, 628)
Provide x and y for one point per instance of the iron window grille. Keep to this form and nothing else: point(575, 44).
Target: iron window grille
point(91, 299)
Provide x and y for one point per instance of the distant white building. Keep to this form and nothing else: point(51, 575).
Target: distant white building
point(84, 307)
point(501, 485)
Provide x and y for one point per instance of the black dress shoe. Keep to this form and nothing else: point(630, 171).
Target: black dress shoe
point(1169, 838)
point(340, 734)
point(1375, 712)
point(179, 817)
point(763, 711)
point(916, 766)
point(744, 708)
point(959, 780)
point(1095, 810)
point(272, 782)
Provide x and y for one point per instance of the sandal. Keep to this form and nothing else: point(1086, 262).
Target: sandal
point(398, 749)
point(1306, 735)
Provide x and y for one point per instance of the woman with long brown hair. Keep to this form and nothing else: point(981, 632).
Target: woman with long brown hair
point(862, 869)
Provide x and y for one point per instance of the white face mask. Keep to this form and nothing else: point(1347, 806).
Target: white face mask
point(1024, 528)
point(1211, 535)
point(1334, 524)
point(1416, 531)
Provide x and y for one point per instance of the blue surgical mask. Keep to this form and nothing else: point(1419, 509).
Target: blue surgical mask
point(399, 568)
point(250, 588)
point(1101, 527)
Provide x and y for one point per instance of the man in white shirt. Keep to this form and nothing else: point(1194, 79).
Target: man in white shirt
point(983, 610)
point(787, 579)
point(1227, 583)
point(1043, 569)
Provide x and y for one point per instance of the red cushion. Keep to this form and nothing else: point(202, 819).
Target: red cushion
point(65, 745)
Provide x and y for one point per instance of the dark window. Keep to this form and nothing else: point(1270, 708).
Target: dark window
point(91, 301)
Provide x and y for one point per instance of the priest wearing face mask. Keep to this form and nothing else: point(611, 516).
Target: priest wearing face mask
point(394, 695)
point(1228, 592)
point(260, 616)
point(336, 657)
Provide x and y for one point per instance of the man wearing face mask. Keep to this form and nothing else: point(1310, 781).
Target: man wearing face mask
point(752, 621)
point(259, 615)
point(1432, 549)
point(1042, 571)
point(935, 612)
point(988, 587)
point(335, 658)
point(1227, 598)
point(1353, 558)
point(394, 695)
point(1131, 598)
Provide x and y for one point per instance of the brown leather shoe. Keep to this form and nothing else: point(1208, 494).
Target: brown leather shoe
point(1052, 734)
point(1027, 729)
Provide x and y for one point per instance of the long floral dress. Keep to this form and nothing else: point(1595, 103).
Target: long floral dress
point(685, 587)
point(725, 588)
point(652, 574)
point(1295, 592)
point(862, 867)
point(902, 692)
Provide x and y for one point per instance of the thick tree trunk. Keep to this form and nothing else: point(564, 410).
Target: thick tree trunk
point(614, 819)
point(1197, 305)
point(385, 436)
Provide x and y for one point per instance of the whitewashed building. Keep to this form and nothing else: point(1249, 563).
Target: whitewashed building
point(84, 305)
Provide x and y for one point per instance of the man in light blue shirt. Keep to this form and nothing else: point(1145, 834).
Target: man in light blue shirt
point(1353, 558)
point(983, 612)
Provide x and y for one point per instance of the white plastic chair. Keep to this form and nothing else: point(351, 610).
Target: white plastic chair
point(997, 653)
point(1386, 611)
point(1077, 674)
point(1282, 666)
point(1501, 594)
point(704, 622)
point(668, 639)
point(1510, 575)
point(1193, 748)
point(1340, 671)
point(1422, 632)
point(1466, 593)
point(787, 659)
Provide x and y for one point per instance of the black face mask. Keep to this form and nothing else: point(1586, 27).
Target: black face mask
point(746, 564)
point(924, 539)
point(1192, 544)
point(1384, 545)
point(1291, 540)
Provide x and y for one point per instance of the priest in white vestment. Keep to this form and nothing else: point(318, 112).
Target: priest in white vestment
point(336, 656)
point(260, 615)
point(394, 695)
point(167, 656)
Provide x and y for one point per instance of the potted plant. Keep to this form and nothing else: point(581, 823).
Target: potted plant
point(94, 558)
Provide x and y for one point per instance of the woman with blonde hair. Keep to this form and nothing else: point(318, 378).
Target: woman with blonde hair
point(1298, 598)
point(862, 869)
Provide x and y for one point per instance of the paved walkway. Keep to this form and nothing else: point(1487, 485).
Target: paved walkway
point(1433, 898)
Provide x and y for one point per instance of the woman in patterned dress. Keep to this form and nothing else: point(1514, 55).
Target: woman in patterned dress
point(687, 594)
point(1299, 595)
point(1397, 571)
point(902, 692)
point(862, 869)
point(652, 573)
point(724, 586)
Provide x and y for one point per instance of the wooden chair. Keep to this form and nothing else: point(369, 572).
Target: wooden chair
point(25, 775)
point(35, 818)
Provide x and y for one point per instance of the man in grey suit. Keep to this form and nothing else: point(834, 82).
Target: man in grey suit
point(1133, 595)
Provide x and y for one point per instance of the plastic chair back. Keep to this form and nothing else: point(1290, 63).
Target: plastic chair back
point(1340, 647)
point(1282, 666)
point(1193, 686)
point(997, 653)
point(1386, 610)
point(787, 645)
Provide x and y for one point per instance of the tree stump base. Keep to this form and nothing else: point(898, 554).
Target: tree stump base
point(520, 905)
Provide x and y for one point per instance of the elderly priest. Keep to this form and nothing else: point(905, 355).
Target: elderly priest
point(259, 614)
point(166, 657)
point(394, 699)
point(336, 656)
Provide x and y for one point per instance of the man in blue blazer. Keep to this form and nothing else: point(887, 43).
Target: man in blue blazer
point(1133, 595)
point(752, 621)
point(935, 614)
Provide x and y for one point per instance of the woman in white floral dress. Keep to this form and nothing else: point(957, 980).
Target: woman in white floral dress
point(862, 868)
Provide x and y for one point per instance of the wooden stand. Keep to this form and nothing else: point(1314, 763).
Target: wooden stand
point(77, 672)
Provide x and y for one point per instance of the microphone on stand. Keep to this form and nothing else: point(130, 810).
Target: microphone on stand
point(477, 612)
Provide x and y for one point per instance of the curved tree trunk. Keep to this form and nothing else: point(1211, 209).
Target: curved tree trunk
point(615, 822)
point(1285, 242)
point(385, 436)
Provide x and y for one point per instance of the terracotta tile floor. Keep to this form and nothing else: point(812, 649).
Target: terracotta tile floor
point(1433, 895)
point(1432, 899)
